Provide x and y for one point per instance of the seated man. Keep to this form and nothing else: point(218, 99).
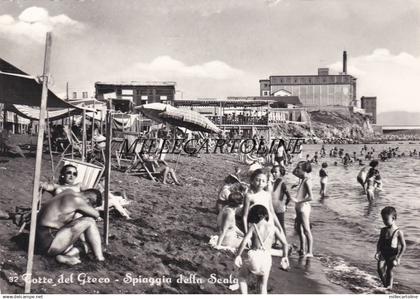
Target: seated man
point(59, 228)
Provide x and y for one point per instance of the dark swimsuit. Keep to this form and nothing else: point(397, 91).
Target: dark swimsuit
point(385, 246)
point(44, 238)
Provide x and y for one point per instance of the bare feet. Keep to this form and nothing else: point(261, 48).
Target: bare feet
point(68, 260)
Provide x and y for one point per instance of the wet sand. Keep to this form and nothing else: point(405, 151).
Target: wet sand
point(167, 237)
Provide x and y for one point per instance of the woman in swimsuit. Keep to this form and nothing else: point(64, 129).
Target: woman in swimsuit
point(387, 253)
point(262, 233)
point(370, 180)
point(66, 181)
point(303, 207)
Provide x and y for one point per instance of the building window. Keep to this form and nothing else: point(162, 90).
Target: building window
point(144, 98)
point(127, 92)
point(163, 98)
point(265, 93)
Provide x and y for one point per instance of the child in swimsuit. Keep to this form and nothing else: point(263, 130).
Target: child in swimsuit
point(387, 253)
point(303, 207)
point(323, 179)
point(259, 194)
point(279, 192)
point(262, 234)
point(370, 180)
point(229, 233)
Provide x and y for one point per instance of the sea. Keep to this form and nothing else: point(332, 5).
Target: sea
point(347, 226)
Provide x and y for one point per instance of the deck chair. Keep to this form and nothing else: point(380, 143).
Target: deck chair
point(74, 142)
point(141, 166)
point(118, 150)
point(89, 176)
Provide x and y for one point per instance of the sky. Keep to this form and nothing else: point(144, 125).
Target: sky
point(218, 48)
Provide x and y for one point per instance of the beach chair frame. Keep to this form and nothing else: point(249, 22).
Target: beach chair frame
point(89, 174)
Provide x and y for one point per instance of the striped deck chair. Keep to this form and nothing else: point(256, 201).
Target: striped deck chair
point(141, 166)
point(88, 174)
point(74, 143)
point(118, 149)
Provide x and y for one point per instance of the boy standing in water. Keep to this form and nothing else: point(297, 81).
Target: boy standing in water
point(387, 253)
point(303, 207)
point(324, 179)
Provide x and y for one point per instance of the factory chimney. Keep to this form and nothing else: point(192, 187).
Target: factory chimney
point(345, 62)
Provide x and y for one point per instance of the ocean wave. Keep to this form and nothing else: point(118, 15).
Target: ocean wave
point(351, 277)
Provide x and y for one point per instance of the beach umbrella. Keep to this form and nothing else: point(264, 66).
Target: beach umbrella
point(188, 119)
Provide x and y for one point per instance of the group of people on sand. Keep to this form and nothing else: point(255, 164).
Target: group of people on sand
point(251, 216)
point(391, 244)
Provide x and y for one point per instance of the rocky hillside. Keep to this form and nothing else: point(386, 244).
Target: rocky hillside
point(329, 125)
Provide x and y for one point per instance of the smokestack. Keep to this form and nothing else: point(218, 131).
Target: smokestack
point(345, 62)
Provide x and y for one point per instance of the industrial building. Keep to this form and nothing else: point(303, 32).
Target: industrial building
point(369, 105)
point(323, 89)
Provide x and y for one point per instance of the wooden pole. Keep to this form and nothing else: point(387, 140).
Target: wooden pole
point(84, 135)
point(50, 145)
point(38, 162)
point(93, 124)
point(107, 171)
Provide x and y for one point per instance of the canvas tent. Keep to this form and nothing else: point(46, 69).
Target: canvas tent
point(17, 87)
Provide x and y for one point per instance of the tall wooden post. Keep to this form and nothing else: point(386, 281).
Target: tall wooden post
point(107, 171)
point(38, 162)
point(84, 135)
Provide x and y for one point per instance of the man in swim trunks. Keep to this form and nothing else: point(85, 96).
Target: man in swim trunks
point(58, 228)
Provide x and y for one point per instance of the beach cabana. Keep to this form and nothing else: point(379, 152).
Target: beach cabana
point(20, 88)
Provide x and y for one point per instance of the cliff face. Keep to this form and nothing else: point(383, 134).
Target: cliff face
point(329, 125)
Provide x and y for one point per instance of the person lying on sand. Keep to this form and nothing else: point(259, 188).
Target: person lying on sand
point(58, 229)
point(66, 181)
point(262, 233)
point(116, 200)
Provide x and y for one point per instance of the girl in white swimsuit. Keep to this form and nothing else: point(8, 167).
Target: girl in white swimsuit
point(259, 195)
point(303, 207)
point(262, 234)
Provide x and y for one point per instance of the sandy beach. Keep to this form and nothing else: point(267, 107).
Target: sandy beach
point(167, 237)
